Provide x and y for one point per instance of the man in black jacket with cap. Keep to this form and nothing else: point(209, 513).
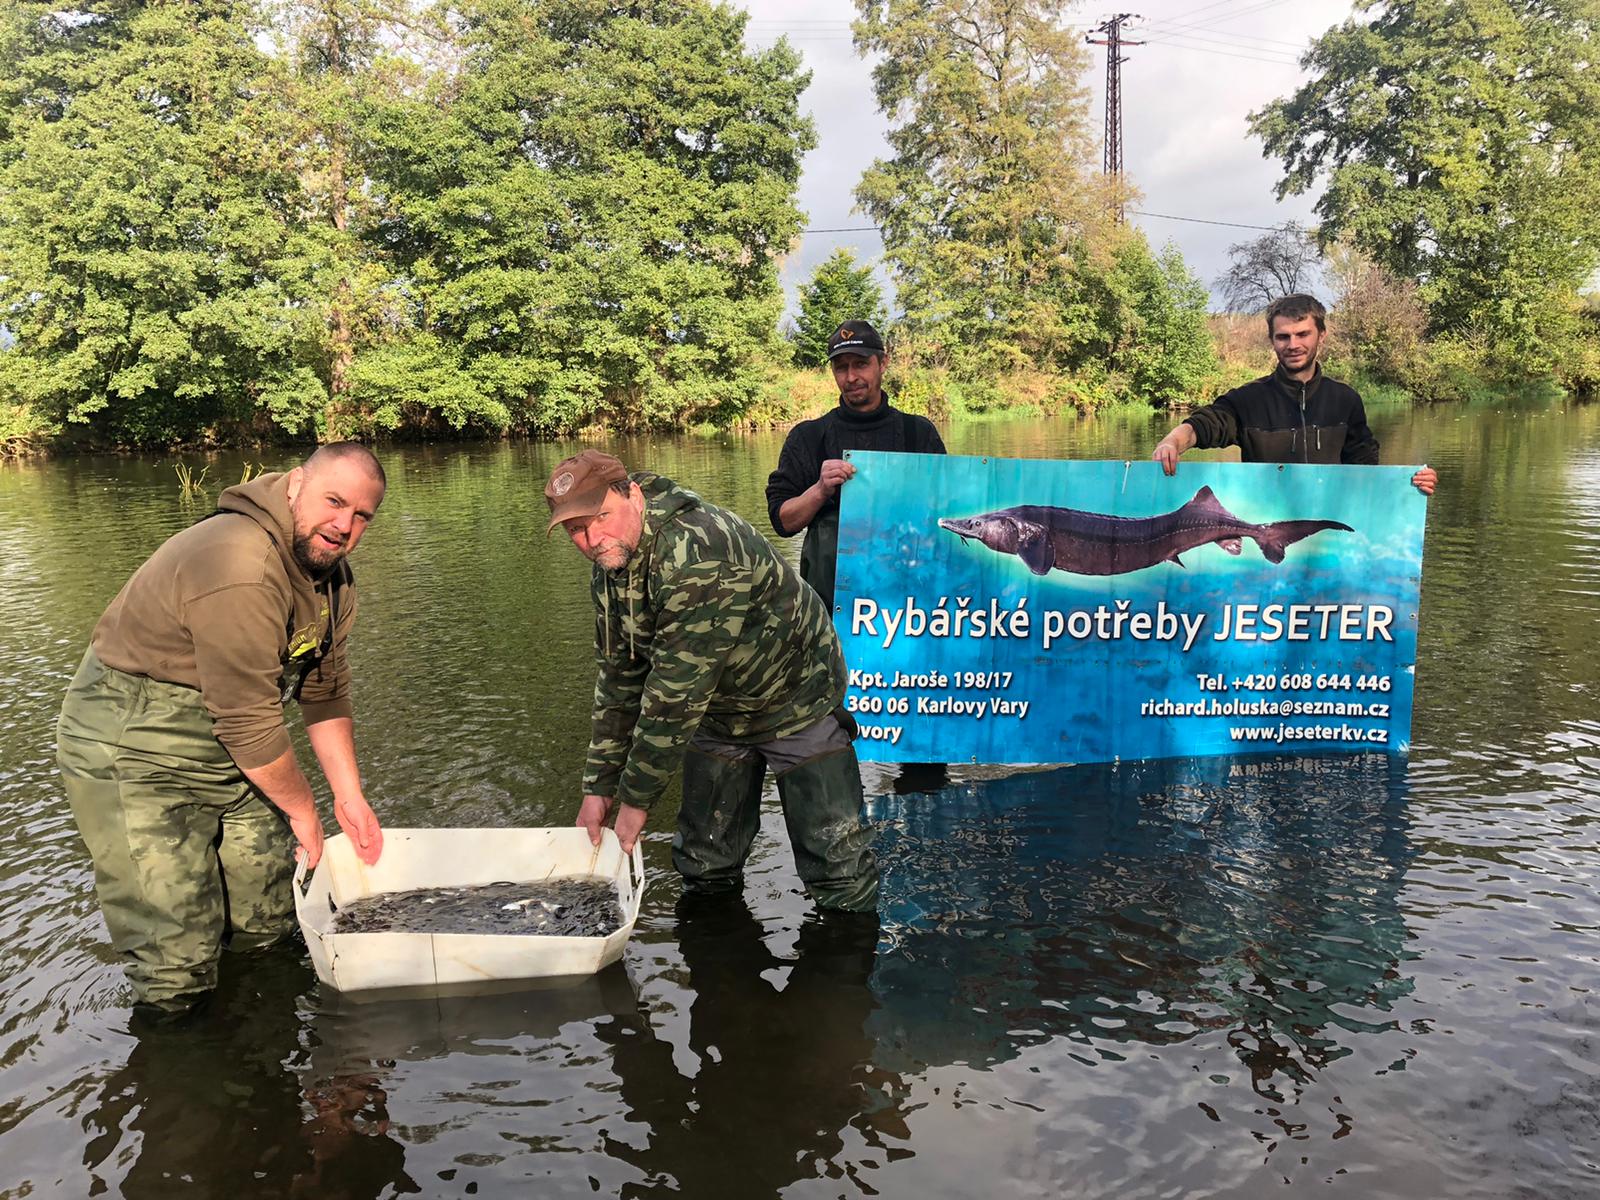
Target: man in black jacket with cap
point(1294, 415)
point(803, 493)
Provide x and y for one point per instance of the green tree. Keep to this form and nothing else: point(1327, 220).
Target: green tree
point(838, 291)
point(343, 62)
point(588, 211)
point(152, 269)
point(1168, 356)
point(990, 192)
point(1135, 323)
point(1460, 140)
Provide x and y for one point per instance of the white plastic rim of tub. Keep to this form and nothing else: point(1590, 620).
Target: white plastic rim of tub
point(415, 858)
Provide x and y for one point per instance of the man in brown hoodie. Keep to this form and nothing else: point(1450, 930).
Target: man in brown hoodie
point(172, 740)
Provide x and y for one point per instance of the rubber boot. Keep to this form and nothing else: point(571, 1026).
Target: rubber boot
point(832, 843)
point(717, 822)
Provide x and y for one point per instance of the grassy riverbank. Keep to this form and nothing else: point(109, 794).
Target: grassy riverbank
point(1413, 372)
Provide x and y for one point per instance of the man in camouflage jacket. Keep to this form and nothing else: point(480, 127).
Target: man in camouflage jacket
point(711, 652)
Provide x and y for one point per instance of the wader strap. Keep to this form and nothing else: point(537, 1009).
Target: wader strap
point(291, 691)
point(313, 661)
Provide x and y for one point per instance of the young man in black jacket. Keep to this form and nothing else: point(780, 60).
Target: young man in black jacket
point(1294, 415)
point(803, 493)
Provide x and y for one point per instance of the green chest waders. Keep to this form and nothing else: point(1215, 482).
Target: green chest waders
point(187, 857)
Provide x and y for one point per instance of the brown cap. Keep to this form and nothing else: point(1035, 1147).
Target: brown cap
point(577, 486)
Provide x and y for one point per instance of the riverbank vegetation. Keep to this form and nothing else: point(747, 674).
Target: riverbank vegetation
point(257, 220)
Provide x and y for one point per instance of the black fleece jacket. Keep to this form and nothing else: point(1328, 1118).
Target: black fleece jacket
point(812, 442)
point(1276, 419)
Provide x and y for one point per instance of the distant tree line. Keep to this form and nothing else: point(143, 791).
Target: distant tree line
point(229, 219)
point(237, 218)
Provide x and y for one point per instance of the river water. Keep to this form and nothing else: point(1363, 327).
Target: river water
point(1350, 976)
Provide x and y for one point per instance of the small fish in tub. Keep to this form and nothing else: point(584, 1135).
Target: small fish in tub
point(579, 906)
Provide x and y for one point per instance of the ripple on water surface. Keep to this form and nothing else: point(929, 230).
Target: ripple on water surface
point(1356, 976)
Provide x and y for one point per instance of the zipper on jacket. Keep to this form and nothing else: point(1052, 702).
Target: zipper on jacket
point(1305, 441)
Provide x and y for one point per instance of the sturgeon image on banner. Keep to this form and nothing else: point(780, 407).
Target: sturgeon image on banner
point(1033, 611)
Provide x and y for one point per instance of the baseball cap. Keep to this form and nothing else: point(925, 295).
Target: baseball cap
point(855, 337)
point(577, 486)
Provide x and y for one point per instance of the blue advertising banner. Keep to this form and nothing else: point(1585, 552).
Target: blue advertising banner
point(1031, 611)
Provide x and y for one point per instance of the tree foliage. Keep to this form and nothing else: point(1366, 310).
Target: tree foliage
point(344, 63)
point(154, 278)
point(1168, 355)
point(1378, 320)
point(991, 190)
point(1460, 141)
point(588, 212)
point(1138, 323)
point(837, 291)
point(1279, 263)
point(1002, 235)
point(329, 216)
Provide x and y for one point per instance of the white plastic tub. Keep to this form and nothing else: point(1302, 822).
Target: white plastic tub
point(426, 858)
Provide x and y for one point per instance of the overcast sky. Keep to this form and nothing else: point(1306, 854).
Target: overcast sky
point(1186, 96)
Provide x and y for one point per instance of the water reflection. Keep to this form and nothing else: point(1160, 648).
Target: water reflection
point(505, 1074)
point(1089, 982)
point(780, 1062)
point(209, 1102)
point(1146, 903)
point(259, 1094)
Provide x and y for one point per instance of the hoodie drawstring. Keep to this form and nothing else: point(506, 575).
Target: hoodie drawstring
point(605, 610)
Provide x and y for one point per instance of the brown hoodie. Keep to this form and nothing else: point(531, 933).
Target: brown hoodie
point(223, 607)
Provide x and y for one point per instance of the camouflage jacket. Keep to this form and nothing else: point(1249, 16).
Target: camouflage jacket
point(705, 624)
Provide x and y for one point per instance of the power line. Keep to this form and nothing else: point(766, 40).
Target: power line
point(1186, 38)
point(1204, 221)
point(1212, 23)
point(1207, 7)
point(1176, 36)
point(1131, 212)
point(797, 22)
point(1174, 45)
point(1267, 44)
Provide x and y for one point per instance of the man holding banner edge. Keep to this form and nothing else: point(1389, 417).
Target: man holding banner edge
point(1296, 414)
point(803, 491)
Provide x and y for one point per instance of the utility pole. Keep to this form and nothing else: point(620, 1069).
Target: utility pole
point(1114, 42)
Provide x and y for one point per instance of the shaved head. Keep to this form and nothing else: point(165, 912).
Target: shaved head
point(347, 452)
point(332, 498)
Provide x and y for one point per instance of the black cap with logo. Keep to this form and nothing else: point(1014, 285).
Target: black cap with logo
point(855, 337)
